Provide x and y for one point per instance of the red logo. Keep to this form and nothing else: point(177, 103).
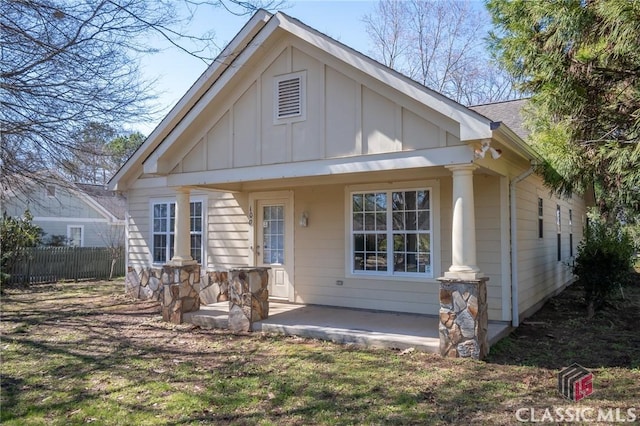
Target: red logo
point(575, 382)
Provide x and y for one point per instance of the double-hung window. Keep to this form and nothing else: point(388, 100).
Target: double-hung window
point(391, 233)
point(75, 237)
point(164, 221)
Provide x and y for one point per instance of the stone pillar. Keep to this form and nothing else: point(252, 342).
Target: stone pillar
point(463, 226)
point(463, 318)
point(181, 289)
point(182, 231)
point(248, 297)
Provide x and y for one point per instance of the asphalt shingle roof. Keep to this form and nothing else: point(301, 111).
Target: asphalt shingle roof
point(508, 112)
point(113, 202)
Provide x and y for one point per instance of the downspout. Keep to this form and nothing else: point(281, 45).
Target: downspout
point(515, 314)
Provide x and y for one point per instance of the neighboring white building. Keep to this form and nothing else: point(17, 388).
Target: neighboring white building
point(358, 186)
point(86, 215)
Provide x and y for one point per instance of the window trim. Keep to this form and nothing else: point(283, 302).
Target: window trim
point(302, 76)
point(69, 227)
point(434, 187)
point(168, 200)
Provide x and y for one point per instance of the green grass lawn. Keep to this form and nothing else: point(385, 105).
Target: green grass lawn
point(76, 353)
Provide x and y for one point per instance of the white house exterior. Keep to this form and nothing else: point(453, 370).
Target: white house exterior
point(86, 215)
point(356, 185)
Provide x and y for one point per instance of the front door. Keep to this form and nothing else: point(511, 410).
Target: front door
point(272, 244)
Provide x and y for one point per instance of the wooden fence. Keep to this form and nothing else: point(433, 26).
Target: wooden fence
point(50, 264)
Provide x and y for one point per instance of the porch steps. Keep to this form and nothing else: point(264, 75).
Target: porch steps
point(209, 317)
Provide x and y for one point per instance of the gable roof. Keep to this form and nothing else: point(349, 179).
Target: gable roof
point(111, 201)
point(106, 202)
point(259, 29)
point(197, 90)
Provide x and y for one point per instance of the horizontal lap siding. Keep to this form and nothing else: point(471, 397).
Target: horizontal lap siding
point(488, 239)
point(320, 261)
point(227, 231)
point(95, 234)
point(226, 227)
point(138, 226)
point(540, 273)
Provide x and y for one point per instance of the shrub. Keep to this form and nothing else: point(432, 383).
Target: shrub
point(55, 241)
point(604, 262)
point(16, 233)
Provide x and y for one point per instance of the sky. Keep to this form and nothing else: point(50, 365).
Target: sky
point(175, 71)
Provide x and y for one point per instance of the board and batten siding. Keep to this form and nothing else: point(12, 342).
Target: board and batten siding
point(539, 271)
point(347, 114)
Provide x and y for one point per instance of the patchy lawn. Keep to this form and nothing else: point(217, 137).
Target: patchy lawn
point(82, 352)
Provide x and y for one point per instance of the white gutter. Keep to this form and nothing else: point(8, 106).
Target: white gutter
point(515, 314)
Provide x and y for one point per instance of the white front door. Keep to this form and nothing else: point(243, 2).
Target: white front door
point(273, 244)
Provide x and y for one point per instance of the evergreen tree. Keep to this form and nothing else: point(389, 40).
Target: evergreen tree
point(580, 60)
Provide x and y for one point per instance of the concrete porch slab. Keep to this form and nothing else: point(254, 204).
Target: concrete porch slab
point(343, 325)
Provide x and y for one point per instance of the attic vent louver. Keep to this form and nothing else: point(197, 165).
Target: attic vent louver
point(289, 97)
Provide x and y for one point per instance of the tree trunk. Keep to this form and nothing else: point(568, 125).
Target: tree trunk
point(591, 309)
point(113, 266)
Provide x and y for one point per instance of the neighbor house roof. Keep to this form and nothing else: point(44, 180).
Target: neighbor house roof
point(111, 204)
point(114, 203)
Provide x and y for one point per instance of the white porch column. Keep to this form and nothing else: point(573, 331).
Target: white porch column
point(463, 229)
point(182, 237)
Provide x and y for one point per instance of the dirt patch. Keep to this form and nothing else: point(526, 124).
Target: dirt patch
point(560, 333)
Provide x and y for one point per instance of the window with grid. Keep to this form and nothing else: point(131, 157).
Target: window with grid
point(74, 236)
point(391, 232)
point(273, 235)
point(164, 221)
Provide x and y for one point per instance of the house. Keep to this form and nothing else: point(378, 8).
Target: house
point(357, 186)
point(81, 215)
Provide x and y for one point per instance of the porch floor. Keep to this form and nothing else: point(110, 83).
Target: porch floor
point(343, 325)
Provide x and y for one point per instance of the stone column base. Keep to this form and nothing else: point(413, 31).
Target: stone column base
point(181, 288)
point(463, 318)
point(248, 297)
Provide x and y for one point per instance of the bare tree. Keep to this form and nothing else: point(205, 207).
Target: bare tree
point(441, 45)
point(65, 64)
point(386, 29)
point(113, 239)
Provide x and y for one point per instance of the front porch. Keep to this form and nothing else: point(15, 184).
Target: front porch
point(343, 325)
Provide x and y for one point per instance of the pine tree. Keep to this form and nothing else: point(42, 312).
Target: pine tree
point(580, 60)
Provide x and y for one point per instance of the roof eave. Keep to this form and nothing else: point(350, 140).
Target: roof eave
point(119, 181)
point(503, 133)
